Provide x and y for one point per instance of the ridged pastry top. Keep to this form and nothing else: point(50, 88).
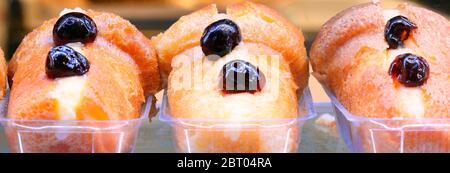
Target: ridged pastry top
point(123, 70)
point(351, 56)
point(116, 31)
point(258, 24)
point(267, 42)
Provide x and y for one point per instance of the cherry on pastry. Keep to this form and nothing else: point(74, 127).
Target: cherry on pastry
point(74, 27)
point(240, 76)
point(398, 30)
point(220, 38)
point(410, 70)
point(63, 61)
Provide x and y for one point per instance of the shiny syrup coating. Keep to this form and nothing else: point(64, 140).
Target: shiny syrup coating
point(240, 76)
point(220, 38)
point(63, 61)
point(397, 30)
point(74, 27)
point(410, 70)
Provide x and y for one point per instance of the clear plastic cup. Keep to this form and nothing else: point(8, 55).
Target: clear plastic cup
point(72, 136)
point(264, 136)
point(386, 135)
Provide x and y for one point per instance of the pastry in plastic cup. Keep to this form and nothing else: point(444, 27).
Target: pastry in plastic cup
point(381, 135)
point(234, 79)
point(253, 136)
point(73, 92)
point(386, 72)
point(73, 136)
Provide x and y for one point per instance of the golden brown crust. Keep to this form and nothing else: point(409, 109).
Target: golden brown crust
point(350, 56)
point(276, 100)
point(261, 24)
point(183, 34)
point(116, 31)
point(341, 28)
point(258, 24)
point(123, 67)
point(129, 39)
point(194, 91)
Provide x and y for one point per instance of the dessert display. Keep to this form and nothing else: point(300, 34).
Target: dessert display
point(234, 80)
point(78, 83)
point(387, 72)
point(231, 81)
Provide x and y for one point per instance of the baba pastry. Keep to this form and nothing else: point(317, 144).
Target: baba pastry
point(388, 63)
point(86, 66)
point(246, 65)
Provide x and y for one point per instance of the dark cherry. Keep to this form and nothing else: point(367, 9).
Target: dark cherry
point(240, 76)
point(74, 27)
point(398, 30)
point(410, 70)
point(220, 38)
point(63, 61)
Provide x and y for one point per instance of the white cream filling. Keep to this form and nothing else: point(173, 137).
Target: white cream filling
point(239, 52)
point(68, 92)
point(409, 100)
point(76, 46)
point(392, 53)
point(69, 10)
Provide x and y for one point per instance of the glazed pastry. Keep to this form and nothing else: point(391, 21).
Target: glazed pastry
point(84, 65)
point(387, 63)
point(249, 41)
